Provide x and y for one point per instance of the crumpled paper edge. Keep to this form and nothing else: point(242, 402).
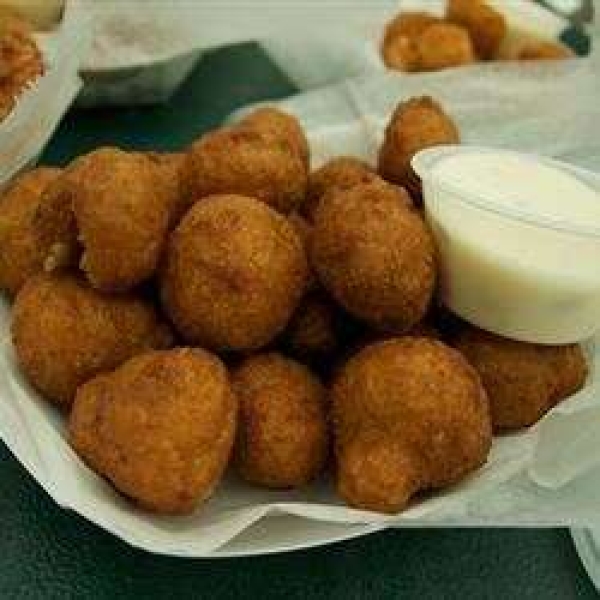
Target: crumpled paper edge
point(39, 109)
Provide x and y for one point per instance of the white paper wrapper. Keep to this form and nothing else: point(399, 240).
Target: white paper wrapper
point(548, 475)
point(25, 131)
point(333, 56)
point(143, 49)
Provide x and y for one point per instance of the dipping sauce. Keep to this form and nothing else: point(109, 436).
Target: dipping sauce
point(518, 239)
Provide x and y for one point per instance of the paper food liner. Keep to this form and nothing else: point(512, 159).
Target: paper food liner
point(547, 475)
point(335, 55)
point(39, 109)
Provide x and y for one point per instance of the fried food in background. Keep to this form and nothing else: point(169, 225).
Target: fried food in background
point(22, 252)
point(64, 333)
point(486, 26)
point(399, 47)
point(160, 428)
point(42, 14)
point(444, 45)
point(338, 174)
point(20, 59)
point(375, 256)
point(242, 160)
point(523, 381)
point(235, 270)
point(409, 415)
point(282, 435)
point(121, 218)
point(416, 124)
point(279, 129)
point(544, 51)
point(168, 167)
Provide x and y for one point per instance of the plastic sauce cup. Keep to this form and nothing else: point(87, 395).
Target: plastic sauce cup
point(518, 239)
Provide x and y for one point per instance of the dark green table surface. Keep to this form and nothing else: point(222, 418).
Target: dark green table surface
point(47, 553)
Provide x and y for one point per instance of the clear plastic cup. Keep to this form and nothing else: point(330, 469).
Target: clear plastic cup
point(519, 274)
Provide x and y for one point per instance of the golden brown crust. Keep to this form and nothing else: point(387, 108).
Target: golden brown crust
point(416, 124)
point(121, 218)
point(538, 50)
point(282, 436)
point(444, 45)
point(241, 161)
point(338, 174)
point(375, 256)
point(279, 129)
point(409, 415)
point(486, 26)
point(523, 381)
point(160, 428)
point(235, 271)
point(20, 59)
point(22, 252)
point(399, 48)
point(64, 333)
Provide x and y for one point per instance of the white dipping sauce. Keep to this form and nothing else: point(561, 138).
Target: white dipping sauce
point(515, 255)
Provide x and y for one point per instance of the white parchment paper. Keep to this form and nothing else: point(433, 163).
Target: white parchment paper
point(548, 475)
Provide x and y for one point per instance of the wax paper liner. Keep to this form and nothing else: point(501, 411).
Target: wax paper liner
point(39, 109)
point(549, 108)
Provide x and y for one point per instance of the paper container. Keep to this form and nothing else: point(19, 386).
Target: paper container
point(533, 478)
point(333, 56)
point(38, 110)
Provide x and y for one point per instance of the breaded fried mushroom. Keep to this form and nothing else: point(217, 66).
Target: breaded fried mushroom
point(523, 381)
point(234, 272)
point(486, 26)
point(416, 124)
point(444, 45)
point(540, 50)
point(64, 333)
point(375, 256)
point(160, 428)
point(338, 174)
point(282, 434)
point(399, 48)
point(111, 204)
point(280, 129)
point(22, 252)
point(409, 415)
point(241, 160)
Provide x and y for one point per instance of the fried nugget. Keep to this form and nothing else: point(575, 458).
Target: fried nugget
point(338, 174)
point(64, 333)
point(375, 256)
point(109, 204)
point(22, 252)
point(160, 428)
point(399, 48)
point(444, 45)
point(523, 381)
point(235, 270)
point(416, 124)
point(486, 26)
point(282, 435)
point(409, 415)
point(540, 50)
point(240, 160)
point(279, 128)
